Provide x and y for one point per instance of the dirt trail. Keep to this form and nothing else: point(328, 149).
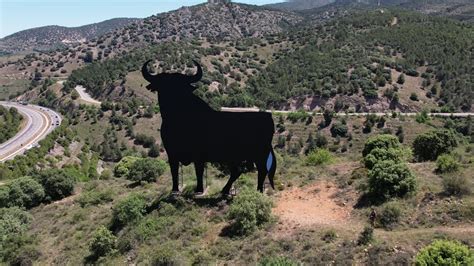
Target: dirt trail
point(394, 21)
point(312, 205)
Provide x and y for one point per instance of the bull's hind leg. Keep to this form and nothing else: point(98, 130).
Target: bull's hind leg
point(262, 173)
point(174, 165)
point(199, 168)
point(234, 174)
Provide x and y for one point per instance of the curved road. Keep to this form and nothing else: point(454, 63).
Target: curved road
point(83, 95)
point(40, 122)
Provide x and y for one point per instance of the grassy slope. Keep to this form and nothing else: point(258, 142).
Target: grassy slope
point(194, 230)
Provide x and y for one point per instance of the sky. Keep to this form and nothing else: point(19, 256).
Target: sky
point(17, 15)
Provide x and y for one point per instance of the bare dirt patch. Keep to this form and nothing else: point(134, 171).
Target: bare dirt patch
point(312, 205)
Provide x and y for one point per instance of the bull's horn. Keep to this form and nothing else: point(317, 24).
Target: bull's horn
point(198, 76)
point(146, 75)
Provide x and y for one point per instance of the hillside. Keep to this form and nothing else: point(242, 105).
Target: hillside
point(50, 37)
point(349, 188)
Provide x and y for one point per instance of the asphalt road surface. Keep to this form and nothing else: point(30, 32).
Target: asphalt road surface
point(38, 123)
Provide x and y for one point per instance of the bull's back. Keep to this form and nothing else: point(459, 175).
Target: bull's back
point(219, 136)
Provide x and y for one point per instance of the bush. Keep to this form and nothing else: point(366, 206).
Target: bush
point(390, 179)
point(146, 170)
point(456, 185)
point(89, 198)
point(384, 141)
point(390, 215)
point(129, 209)
point(165, 255)
point(445, 252)
point(339, 129)
point(380, 154)
point(22, 192)
point(122, 168)
point(57, 184)
point(428, 146)
point(249, 210)
point(277, 261)
point(14, 223)
point(103, 242)
point(366, 236)
point(446, 163)
point(319, 157)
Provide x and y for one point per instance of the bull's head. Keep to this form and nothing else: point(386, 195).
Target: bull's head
point(171, 81)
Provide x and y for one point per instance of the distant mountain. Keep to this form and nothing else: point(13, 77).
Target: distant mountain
point(295, 5)
point(45, 38)
point(458, 9)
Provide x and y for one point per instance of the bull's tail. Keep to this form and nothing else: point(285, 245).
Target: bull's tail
point(271, 167)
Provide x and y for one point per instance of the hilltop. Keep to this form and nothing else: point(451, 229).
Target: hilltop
point(50, 37)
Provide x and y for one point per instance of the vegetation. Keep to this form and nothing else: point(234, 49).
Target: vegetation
point(446, 163)
point(57, 183)
point(249, 210)
point(445, 252)
point(10, 120)
point(319, 157)
point(103, 242)
point(146, 170)
point(428, 146)
point(23, 192)
point(129, 210)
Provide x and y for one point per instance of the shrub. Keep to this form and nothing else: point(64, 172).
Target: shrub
point(130, 209)
point(103, 242)
point(57, 184)
point(446, 163)
point(146, 170)
point(381, 154)
point(22, 192)
point(329, 236)
point(122, 168)
point(165, 255)
point(445, 252)
point(384, 141)
point(428, 146)
point(319, 157)
point(456, 185)
point(14, 223)
point(249, 210)
point(366, 236)
point(339, 129)
point(390, 215)
point(277, 261)
point(390, 179)
point(89, 198)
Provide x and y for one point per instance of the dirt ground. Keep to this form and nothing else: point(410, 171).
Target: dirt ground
point(312, 206)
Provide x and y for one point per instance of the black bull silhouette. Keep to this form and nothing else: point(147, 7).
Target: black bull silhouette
point(192, 131)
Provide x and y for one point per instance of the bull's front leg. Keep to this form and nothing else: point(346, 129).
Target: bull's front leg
point(199, 168)
point(174, 165)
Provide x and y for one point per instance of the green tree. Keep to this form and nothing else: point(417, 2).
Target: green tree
point(22, 192)
point(445, 252)
point(130, 209)
point(103, 242)
point(57, 183)
point(384, 141)
point(122, 168)
point(428, 146)
point(146, 170)
point(389, 179)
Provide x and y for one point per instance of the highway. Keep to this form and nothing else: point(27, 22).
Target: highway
point(39, 122)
